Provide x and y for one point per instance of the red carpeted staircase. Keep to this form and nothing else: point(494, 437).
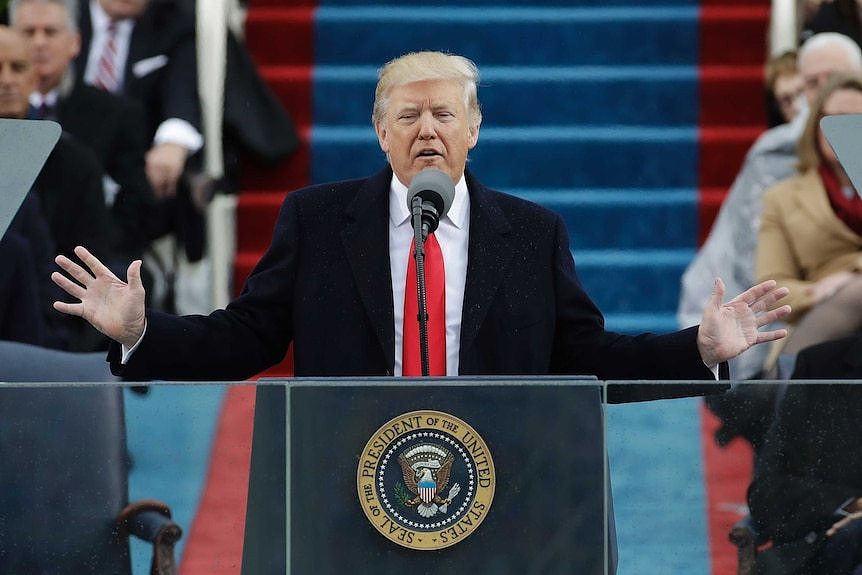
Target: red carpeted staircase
point(732, 114)
point(280, 37)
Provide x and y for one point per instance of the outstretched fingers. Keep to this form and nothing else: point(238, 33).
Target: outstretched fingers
point(67, 285)
point(769, 299)
point(774, 315)
point(74, 270)
point(753, 294)
point(69, 308)
point(765, 336)
point(93, 263)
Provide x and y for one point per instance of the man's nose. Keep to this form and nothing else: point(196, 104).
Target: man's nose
point(426, 126)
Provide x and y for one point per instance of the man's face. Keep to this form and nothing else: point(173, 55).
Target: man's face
point(816, 67)
point(427, 125)
point(53, 44)
point(17, 79)
point(122, 9)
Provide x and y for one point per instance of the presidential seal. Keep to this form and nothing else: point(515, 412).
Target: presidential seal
point(426, 480)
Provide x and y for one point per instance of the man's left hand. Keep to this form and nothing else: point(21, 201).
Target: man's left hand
point(728, 329)
point(164, 164)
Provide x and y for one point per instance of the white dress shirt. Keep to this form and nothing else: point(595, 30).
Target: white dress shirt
point(37, 98)
point(452, 235)
point(101, 21)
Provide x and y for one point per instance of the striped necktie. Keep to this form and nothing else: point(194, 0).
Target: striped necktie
point(107, 77)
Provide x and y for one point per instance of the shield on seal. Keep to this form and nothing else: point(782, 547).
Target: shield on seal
point(427, 486)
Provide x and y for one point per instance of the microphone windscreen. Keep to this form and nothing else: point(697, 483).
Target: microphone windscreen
point(432, 185)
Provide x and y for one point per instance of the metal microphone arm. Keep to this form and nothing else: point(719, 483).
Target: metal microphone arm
point(419, 256)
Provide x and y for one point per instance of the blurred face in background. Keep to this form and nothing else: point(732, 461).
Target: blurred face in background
point(122, 9)
point(787, 91)
point(817, 66)
point(53, 43)
point(17, 79)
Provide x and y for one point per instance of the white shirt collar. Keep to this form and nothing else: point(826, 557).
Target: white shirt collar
point(399, 214)
point(50, 99)
point(101, 20)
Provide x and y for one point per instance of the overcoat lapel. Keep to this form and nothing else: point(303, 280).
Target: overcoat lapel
point(488, 257)
point(366, 242)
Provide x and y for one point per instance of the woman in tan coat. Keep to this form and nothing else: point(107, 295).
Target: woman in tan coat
point(811, 231)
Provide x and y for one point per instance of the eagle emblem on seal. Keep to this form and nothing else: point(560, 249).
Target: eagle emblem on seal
point(426, 469)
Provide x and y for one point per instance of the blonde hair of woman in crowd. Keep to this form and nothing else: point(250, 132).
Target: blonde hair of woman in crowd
point(784, 85)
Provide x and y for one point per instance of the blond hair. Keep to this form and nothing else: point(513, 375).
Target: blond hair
point(781, 65)
point(419, 66)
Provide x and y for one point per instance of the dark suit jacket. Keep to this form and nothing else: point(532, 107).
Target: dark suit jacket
point(20, 315)
point(808, 465)
point(113, 127)
point(325, 285)
point(169, 91)
point(30, 224)
point(70, 191)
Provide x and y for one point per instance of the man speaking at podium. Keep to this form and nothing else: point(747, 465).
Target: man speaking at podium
point(503, 295)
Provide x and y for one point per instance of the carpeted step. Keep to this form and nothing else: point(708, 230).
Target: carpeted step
point(571, 156)
point(722, 151)
point(639, 95)
point(371, 35)
point(633, 281)
point(290, 174)
point(733, 34)
point(637, 323)
point(256, 213)
point(281, 35)
point(256, 4)
point(622, 219)
point(732, 96)
point(708, 207)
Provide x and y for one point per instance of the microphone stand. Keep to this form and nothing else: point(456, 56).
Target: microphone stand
point(419, 256)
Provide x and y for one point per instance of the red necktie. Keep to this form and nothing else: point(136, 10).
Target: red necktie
point(106, 72)
point(435, 288)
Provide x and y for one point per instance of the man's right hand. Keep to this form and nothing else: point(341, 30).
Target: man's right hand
point(112, 306)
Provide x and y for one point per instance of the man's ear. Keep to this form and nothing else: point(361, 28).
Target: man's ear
point(473, 135)
point(76, 46)
point(380, 129)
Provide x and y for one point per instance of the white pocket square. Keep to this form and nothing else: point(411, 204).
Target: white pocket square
point(148, 65)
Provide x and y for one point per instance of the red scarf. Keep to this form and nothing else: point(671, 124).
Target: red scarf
point(848, 210)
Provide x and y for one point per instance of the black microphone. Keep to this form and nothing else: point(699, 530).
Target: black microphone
point(432, 192)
